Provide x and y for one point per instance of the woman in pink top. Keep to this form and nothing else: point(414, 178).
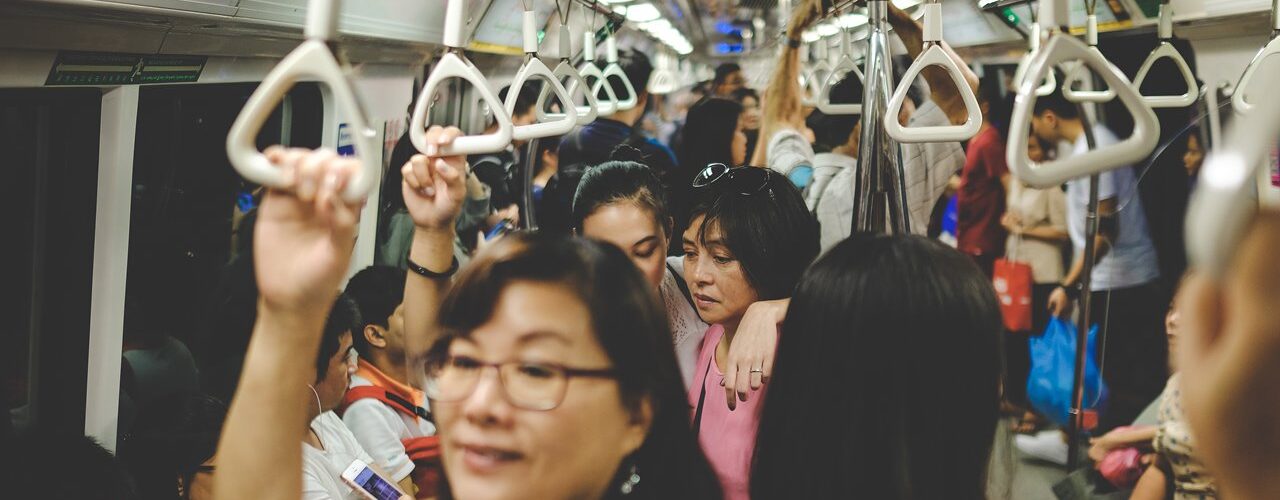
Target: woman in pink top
point(750, 237)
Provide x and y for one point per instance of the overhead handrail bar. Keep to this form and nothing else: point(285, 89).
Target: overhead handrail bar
point(934, 55)
point(1270, 49)
point(843, 67)
point(1146, 129)
point(534, 68)
point(1050, 83)
point(565, 71)
point(313, 58)
point(613, 69)
point(1167, 50)
point(1078, 74)
point(454, 64)
point(1222, 204)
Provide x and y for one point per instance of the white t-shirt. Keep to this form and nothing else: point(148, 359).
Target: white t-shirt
point(1132, 259)
point(380, 429)
point(322, 469)
point(788, 149)
point(926, 169)
point(687, 328)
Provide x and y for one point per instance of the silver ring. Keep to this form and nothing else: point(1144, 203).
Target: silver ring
point(758, 370)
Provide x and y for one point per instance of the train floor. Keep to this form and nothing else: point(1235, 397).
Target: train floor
point(1016, 476)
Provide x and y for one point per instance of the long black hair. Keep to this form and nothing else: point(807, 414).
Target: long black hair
point(884, 334)
point(628, 321)
point(708, 135)
point(770, 232)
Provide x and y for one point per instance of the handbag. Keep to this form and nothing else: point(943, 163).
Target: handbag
point(1052, 376)
point(1012, 281)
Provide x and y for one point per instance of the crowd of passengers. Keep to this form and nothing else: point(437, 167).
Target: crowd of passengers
point(693, 318)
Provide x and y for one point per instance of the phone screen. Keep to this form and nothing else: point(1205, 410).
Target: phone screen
point(376, 485)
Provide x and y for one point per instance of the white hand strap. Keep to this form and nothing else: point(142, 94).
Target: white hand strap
point(534, 68)
point(1166, 50)
point(1246, 80)
point(1050, 83)
point(843, 67)
point(934, 55)
point(311, 60)
point(566, 72)
point(454, 65)
point(612, 69)
point(589, 70)
point(1222, 204)
point(1079, 74)
point(1146, 129)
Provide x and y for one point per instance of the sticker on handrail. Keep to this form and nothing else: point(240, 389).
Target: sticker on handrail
point(102, 68)
point(346, 147)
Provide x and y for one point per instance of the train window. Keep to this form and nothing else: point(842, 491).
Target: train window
point(50, 143)
point(191, 214)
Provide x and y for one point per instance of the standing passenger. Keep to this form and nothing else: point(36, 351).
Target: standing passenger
point(749, 239)
point(883, 332)
point(984, 182)
point(713, 134)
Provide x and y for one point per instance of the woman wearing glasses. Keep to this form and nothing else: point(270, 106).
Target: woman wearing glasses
point(749, 239)
point(553, 375)
point(622, 203)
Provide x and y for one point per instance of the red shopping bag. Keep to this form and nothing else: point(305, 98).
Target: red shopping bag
point(1012, 281)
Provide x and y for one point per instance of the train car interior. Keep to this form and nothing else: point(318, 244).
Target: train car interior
point(1041, 196)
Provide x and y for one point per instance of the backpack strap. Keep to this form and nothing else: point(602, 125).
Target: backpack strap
point(391, 399)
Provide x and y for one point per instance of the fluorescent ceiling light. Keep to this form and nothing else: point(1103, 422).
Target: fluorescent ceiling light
point(810, 36)
point(610, 2)
point(655, 26)
point(906, 4)
point(642, 13)
point(684, 51)
point(827, 29)
point(852, 20)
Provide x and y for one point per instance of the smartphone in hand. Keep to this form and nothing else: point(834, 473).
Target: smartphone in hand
point(364, 480)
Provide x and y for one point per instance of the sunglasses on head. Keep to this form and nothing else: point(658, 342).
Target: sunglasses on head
point(745, 181)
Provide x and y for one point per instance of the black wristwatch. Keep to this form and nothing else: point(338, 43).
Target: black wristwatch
point(429, 274)
point(1072, 291)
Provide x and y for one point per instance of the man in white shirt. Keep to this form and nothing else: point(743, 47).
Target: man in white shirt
point(387, 415)
point(1127, 298)
point(328, 448)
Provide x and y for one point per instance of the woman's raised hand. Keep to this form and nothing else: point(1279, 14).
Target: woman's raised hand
point(435, 186)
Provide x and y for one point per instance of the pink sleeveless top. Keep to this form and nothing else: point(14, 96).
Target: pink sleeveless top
point(728, 438)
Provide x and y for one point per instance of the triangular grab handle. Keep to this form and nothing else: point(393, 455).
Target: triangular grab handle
point(453, 65)
point(1146, 129)
point(557, 126)
point(935, 55)
point(604, 108)
point(1078, 75)
point(1166, 50)
point(565, 71)
point(1223, 203)
point(312, 59)
point(614, 70)
point(1238, 97)
point(843, 67)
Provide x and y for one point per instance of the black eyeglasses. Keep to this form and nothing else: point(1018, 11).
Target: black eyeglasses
point(745, 181)
point(532, 386)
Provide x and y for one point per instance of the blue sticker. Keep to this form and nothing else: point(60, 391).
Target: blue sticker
point(346, 147)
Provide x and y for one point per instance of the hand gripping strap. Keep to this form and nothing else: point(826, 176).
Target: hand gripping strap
point(312, 59)
point(453, 65)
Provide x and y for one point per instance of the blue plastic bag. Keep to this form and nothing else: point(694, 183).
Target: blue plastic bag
point(1052, 376)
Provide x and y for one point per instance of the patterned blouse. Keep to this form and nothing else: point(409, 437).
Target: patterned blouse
point(1173, 441)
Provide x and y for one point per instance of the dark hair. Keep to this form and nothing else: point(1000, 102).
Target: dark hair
point(914, 327)
point(172, 439)
point(723, 71)
point(376, 292)
point(832, 131)
point(743, 93)
point(526, 99)
point(620, 181)
point(1058, 104)
point(771, 233)
point(708, 136)
point(628, 321)
point(343, 318)
point(44, 463)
